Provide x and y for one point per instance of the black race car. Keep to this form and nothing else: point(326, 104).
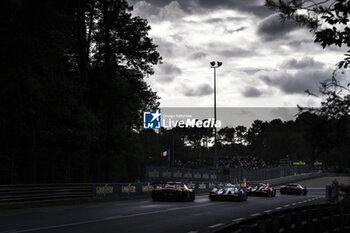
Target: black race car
point(172, 191)
point(229, 192)
point(293, 189)
point(261, 189)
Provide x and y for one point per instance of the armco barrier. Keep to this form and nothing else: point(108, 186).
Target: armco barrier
point(294, 178)
point(40, 193)
point(107, 190)
point(261, 173)
point(35, 193)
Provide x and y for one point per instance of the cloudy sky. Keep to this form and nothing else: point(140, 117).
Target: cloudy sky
point(266, 63)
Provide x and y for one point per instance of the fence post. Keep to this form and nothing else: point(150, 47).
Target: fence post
point(341, 213)
point(275, 224)
point(288, 223)
point(331, 218)
point(262, 226)
point(310, 222)
point(320, 219)
point(298, 221)
point(246, 229)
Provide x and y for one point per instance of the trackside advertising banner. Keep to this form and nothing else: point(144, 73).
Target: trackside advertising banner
point(109, 190)
point(179, 174)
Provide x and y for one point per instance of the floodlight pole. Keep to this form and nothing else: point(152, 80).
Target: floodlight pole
point(215, 149)
point(215, 65)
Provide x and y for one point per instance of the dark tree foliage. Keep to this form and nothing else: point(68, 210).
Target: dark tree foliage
point(329, 20)
point(325, 129)
point(308, 137)
point(72, 90)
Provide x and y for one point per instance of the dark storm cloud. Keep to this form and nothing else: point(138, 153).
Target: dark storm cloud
point(214, 20)
point(304, 63)
point(297, 44)
point(158, 3)
point(272, 28)
point(167, 72)
point(250, 70)
point(298, 82)
point(255, 7)
point(252, 92)
point(221, 20)
point(198, 55)
point(236, 52)
point(202, 90)
point(236, 30)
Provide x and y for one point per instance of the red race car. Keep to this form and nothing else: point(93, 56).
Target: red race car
point(261, 189)
point(172, 191)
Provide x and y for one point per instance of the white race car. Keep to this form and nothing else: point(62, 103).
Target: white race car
point(229, 192)
point(261, 189)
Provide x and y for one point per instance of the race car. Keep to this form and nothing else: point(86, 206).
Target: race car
point(172, 191)
point(293, 189)
point(229, 192)
point(261, 189)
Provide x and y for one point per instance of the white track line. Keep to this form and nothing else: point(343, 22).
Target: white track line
point(256, 214)
point(238, 219)
point(216, 225)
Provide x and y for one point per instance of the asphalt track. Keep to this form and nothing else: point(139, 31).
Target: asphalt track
point(143, 215)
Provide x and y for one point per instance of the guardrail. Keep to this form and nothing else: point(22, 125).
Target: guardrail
point(320, 218)
point(108, 190)
point(34, 193)
point(261, 173)
point(40, 193)
point(294, 178)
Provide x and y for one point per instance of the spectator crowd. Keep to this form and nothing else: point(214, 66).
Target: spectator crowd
point(248, 162)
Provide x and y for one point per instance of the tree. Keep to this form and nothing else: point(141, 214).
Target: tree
point(227, 135)
point(240, 134)
point(121, 56)
point(72, 90)
point(328, 19)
